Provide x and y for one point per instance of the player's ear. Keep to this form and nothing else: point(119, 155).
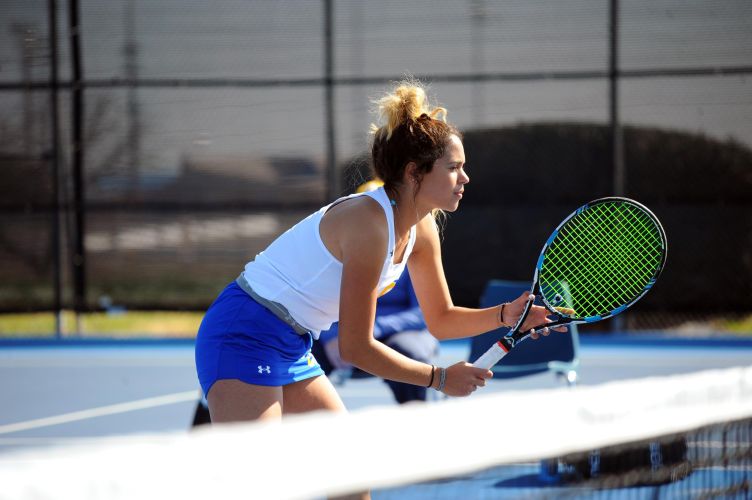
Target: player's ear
point(411, 173)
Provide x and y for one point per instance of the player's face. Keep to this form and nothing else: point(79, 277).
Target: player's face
point(443, 186)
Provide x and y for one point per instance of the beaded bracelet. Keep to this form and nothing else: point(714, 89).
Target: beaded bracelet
point(442, 379)
point(433, 370)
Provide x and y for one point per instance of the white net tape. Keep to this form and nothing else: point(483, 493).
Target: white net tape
point(314, 455)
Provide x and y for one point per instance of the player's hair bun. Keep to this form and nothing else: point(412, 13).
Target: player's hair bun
point(407, 102)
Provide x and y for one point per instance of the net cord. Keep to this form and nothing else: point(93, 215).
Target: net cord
point(319, 454)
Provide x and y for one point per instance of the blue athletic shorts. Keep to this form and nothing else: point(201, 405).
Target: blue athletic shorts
point(241, 339)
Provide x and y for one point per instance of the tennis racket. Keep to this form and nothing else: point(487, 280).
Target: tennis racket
point(601, 259)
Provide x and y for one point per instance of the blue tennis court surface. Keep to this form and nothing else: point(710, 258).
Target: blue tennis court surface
point(54, 394)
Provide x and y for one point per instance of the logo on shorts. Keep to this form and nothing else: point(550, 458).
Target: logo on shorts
point(264, 369)
point(311, 359)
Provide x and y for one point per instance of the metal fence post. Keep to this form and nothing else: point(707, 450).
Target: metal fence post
point(333, 188)
point(55, 168)
point(77, 127)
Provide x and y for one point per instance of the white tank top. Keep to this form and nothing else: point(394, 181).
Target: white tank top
point(298, 271)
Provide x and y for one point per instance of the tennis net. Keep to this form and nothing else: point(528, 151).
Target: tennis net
point(684, 436)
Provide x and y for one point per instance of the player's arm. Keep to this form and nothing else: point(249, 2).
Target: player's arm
point(362, 248)
point(363, 252)
point(444, 319)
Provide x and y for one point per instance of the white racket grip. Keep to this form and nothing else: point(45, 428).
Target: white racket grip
point(492, 356)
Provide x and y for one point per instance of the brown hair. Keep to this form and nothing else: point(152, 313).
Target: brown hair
point(412, 131)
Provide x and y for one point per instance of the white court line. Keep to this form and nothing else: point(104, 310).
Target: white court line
point(47, 441)
point(96, 362)
point(140, 404)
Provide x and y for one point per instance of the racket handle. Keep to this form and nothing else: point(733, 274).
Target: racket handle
point(492, 356)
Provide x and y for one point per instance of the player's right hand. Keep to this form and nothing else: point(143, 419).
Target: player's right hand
point(462, 379)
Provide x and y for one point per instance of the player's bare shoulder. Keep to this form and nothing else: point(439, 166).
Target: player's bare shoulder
point(426, 234)
point(354, 224)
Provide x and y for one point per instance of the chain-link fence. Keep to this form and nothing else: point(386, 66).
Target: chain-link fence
point(151, 148)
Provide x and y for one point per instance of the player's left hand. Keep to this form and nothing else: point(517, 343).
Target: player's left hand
point(537, 316)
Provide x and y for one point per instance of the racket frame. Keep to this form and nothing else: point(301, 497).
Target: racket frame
point(514, 335)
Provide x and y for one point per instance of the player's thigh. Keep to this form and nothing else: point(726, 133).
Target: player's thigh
point(232, 400)
point(315, 393)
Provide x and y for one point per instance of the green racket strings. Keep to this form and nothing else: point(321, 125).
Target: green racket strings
point(602, 259)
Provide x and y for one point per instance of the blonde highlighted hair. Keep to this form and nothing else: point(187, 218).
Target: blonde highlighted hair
point(407, 102)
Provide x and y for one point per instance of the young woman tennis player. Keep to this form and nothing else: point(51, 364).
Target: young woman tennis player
point(253, 351)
